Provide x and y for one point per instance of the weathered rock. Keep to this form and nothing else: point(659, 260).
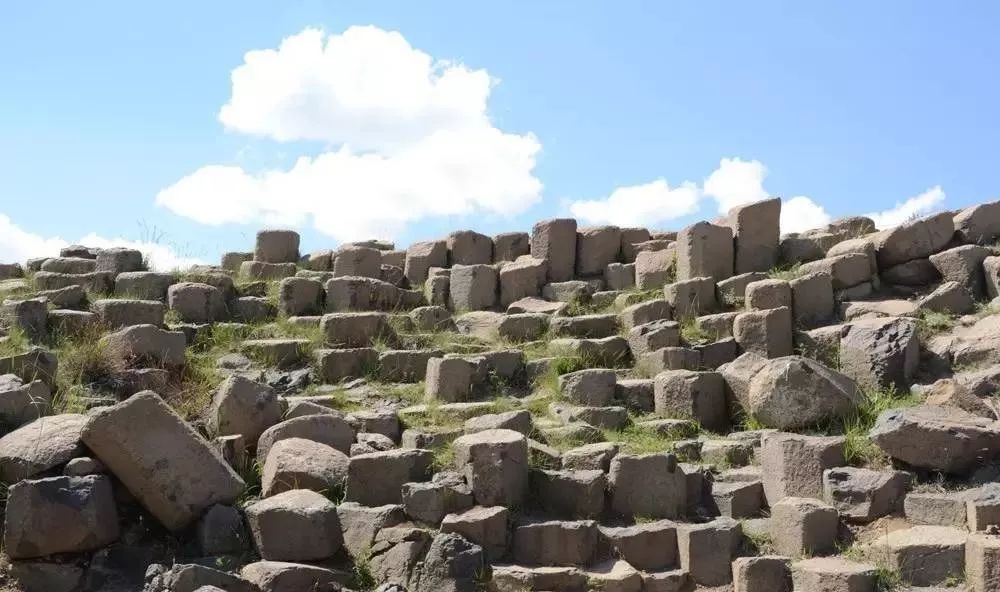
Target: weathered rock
point(707, 550)
point(705, 250)
point(555, 241)
point(880, 352)
point(949, 298)
point(357, 329)
point(196, 303)
point(472, 287)
point(790, 392)
point(495, 465)
point(452, 564)
point(963, 265)
point(146, 343)
point(118, 313)
point(982, 562)
point(176, 482)
point(297, 463)
point(377, 478)
point(647, 485)
point(360, 524)
point(297, 525)
point(242, 406)
point(593, 387)
point(830, 574)
point(421, 256)
point(277, 246)
point(22, 401)
point(654, 269)
point(793, 464)
point(914, 240)
point(803, 527)
point(766, 332)
point(923, 555)
point(40, 445)
point(553, 542)
point(650, 546)
point(357, 261)
point(431, 501)
point(863, 495)
point(938, 438)
point(59, 515)
point(522, 278)
point(755, 229)
point(979, 224)
point(466, 247)
point(697, 395)
point(508, 246)
point(280, 576)
point(767, 573)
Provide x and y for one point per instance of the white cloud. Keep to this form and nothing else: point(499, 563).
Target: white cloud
point(914, 207)
point(19, 245)
point(801, 213)
point(736, 182)
point(412, 139)
point(640, 205)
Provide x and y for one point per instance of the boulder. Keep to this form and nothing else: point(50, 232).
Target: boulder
point(242, 406)
point(555, 241)
point(937, 438)
point(297, 463)
point(914, 240)
point(790, 392)
point(704, 250)
point(377, 478)
point(297, 525)
point(756, 231)
point(176, 482)
point(59, 515)
point(495, 465)
point(40, 445)
point(880, 352)
point(22, 401)
point(277, 246)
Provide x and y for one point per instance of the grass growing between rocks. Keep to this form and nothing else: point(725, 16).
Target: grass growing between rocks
point(859, 450)
point(639, 439)
point(931, 323)
point(693, 333)
point(85, 363)
point(786, 272)
point(15, 342)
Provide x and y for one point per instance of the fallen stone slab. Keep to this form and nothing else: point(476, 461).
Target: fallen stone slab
point(175, 482)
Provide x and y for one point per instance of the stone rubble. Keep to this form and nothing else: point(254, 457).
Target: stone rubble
point(571, 408)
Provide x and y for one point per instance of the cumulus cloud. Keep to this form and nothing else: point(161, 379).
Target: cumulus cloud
point(640, 205)
point(736, 182)
point(19, 245)
point(914, 207)
point(801, 213)
point(409, 136)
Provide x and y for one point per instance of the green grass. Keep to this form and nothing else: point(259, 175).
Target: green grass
point(931, 323)
point(758, 543)
point(786, 272)
point(84, 360)
point(637, 439)
point(859, 450)
point(361, 576)
point(693, 333)
point(16, 342)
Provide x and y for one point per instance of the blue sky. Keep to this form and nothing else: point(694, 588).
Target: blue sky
point(854, 107)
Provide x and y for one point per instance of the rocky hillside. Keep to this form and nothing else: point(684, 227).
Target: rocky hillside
point(569, 409)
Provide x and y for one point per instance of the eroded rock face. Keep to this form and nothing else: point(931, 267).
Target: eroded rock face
point(790, 392)
point(938, 438)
